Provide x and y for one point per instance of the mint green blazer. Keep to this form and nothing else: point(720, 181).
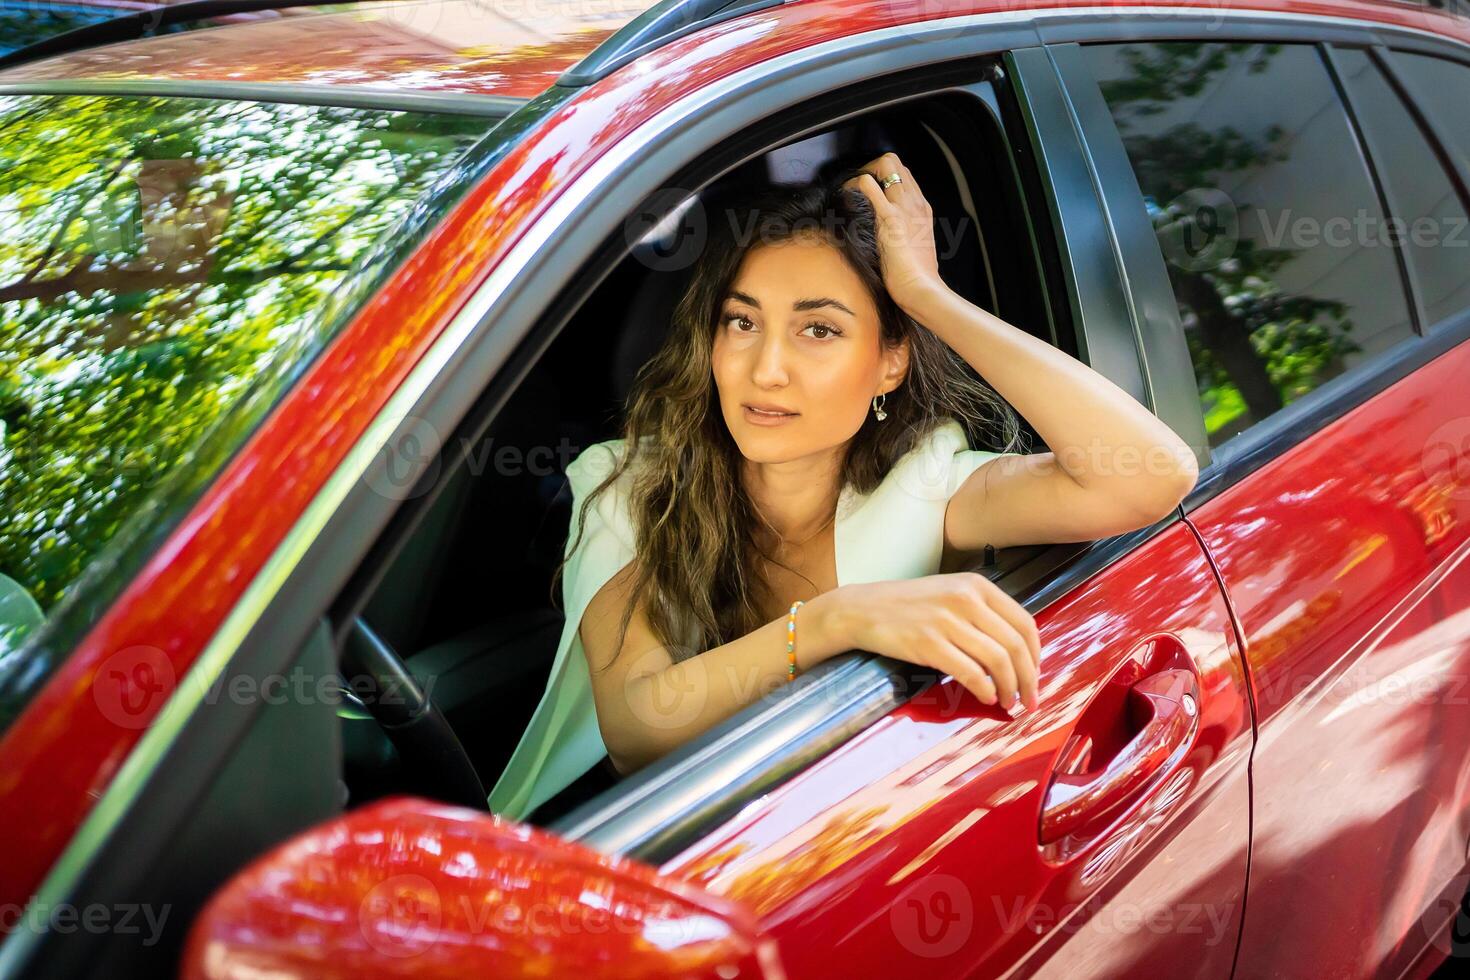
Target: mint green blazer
point(894, 532)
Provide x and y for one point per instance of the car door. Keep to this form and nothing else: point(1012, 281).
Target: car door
point(1105, 834)
point(1329, 357)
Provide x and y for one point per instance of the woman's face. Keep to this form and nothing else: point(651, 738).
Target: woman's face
point(799, 337)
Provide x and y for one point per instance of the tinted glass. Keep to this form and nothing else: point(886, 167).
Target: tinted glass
point(161, 261)
point(1267, 217)
point(1434, 231)
point(1442, 89)
point(27, 22)
point(24, 22)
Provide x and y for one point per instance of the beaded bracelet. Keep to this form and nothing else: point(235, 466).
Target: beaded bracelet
point(791, 640)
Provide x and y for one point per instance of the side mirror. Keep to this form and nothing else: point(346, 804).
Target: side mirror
point(411, 888)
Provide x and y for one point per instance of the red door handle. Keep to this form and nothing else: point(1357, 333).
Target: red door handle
point(1171, 700)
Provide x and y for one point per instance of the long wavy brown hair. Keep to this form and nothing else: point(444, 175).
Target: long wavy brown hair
point(698, 563)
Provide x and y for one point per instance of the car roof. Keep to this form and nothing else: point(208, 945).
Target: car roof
point(503, 48)
point(432, 52)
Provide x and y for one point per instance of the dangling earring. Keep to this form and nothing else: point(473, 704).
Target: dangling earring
point(878, 406)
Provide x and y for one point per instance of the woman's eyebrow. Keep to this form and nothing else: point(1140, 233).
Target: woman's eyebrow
point(800, 306)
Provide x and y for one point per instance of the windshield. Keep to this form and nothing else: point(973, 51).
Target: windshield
point(161, 262)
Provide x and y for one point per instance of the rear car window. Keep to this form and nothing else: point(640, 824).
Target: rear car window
point(1270, 225)
point(1435, 223)
point(165, 265)
point(1442, 90)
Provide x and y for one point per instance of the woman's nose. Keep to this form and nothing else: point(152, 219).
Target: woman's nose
point(770, 362)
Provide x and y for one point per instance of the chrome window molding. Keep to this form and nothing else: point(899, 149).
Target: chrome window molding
point(850, 58)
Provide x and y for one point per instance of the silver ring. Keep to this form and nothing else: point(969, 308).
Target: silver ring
point(889, 181)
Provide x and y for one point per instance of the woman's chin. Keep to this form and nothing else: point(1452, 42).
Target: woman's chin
point(760, 445)
point(767, 450)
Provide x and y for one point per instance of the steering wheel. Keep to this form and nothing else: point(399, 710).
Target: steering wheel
point(418, 730)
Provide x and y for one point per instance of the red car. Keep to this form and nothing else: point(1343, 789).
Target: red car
point(303, 319)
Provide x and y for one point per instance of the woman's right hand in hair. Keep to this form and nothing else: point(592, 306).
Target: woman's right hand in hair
point(960, 623)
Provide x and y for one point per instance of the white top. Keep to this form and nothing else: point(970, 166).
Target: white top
point(895, 532)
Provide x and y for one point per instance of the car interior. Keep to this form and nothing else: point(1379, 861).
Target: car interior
point(467, 600)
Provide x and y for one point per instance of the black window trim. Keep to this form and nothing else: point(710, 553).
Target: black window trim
point(1172, 389)
point(1390, 60)
point(1367, 145)
point(1154, 314)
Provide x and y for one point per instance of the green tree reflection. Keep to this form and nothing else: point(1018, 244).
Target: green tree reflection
point(156, 256)
point(1254, 346)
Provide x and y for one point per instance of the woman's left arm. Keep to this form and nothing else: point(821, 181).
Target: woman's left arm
point(1112, 466)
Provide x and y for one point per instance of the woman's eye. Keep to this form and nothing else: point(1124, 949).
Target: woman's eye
point(821, 331)
point(737, 319)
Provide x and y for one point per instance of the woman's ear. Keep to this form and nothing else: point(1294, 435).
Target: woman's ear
point(895, 366)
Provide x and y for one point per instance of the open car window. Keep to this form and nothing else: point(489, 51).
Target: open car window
point(462, 587)
point(165, 265)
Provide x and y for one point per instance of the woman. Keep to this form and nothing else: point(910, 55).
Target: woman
point(803, 475)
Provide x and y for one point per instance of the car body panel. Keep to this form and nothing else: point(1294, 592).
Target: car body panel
point(1345, 559)
point(915, 845)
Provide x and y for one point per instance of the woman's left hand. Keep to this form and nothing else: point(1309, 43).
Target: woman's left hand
point(905, 229)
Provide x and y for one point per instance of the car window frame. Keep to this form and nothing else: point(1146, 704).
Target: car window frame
point(1172, 387)
point(672, 802)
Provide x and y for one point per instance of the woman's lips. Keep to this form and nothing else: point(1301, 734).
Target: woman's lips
point(767, 418)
